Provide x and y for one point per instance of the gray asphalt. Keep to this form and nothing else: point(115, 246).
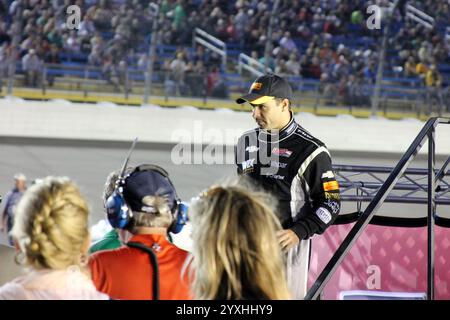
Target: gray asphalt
point(89, 164)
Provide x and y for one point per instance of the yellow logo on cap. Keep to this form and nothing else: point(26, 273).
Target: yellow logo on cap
point(256, 86)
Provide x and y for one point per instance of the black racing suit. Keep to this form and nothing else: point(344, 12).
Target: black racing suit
point(301, 178)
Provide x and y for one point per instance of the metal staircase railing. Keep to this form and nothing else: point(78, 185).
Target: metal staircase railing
point(367, 181)
point(253, 66)
point(419, 16)
point(212, 43)
point(426, 134)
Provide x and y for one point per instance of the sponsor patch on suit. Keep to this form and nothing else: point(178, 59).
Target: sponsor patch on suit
point(330, 186)
point(282, 152)
point(324, 215)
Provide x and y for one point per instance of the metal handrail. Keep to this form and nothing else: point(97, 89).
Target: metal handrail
point(416, 15)
point(420, 16)
point(427, 133)
point(353, 168)
point(246, 62)
point(350, 179)
point(212, 43)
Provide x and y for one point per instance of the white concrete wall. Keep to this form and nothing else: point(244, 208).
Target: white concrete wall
point(65, 120)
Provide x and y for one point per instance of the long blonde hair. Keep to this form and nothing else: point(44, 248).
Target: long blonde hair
point(236, 254)
point(51, 224)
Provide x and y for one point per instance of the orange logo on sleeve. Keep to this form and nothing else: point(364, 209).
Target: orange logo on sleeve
point(256, 86)
point(330, 186)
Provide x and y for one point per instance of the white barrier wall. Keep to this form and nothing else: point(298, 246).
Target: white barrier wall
point(65, 120)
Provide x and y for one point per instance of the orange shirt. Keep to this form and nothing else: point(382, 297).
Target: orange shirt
point(126, 273)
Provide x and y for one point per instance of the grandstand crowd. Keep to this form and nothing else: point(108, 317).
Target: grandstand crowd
point(326, 41)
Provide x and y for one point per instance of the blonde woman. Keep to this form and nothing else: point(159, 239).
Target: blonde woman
point(51, 236)
point(236, 255)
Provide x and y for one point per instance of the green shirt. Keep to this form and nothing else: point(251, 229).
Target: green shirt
point(110, 241)
point(179, 16)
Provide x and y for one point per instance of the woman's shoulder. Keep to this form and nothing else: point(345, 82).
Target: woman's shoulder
point(13, 290)
point(51, 285)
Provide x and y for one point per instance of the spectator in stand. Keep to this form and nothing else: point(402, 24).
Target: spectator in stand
point(287, 43)
point(281, 68)
point(87, 28)
point(199, 55)
point(102, 15)
point(425, 51)
point(432, 77)
point(95, 58)
point(255, 62)
point(342, 68)
point(231, 30)
point(433, 82)
point(4, 36)
point(51, 236)
point(12, 198)
point(142, 63)
point(179, 15)
point(293, 65)
point(71, 42)
point(370, 73)
point(410, 67)
point(421, 69)
point(5, 56)
point(240, 22)
point(271, 63)
point(216, 86)
point(178, 70)
point(28, 43)
point(315, 70)
point(52, 57)
point(31, 65)
point(327, 89)
point(195, 78)
point(109, 71)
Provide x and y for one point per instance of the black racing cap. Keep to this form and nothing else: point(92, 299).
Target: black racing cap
point(141, 184)
point(266, 88)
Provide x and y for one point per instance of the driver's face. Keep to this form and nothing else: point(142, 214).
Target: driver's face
point(267, 114)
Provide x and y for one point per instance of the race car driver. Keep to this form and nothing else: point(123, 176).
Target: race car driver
point(296, 167)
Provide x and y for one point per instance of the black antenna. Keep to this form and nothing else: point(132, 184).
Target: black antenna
point(122, 172)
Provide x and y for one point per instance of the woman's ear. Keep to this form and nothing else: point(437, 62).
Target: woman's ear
point(16, 246)
point(86, 244)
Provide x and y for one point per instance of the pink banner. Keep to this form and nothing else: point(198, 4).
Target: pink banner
point(388, 259)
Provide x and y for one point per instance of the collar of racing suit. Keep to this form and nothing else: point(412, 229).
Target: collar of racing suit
point(267, 135)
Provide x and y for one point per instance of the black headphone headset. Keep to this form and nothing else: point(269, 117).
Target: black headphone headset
point(120, 215)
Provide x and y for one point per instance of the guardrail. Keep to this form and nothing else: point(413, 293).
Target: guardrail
point(396, 93)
